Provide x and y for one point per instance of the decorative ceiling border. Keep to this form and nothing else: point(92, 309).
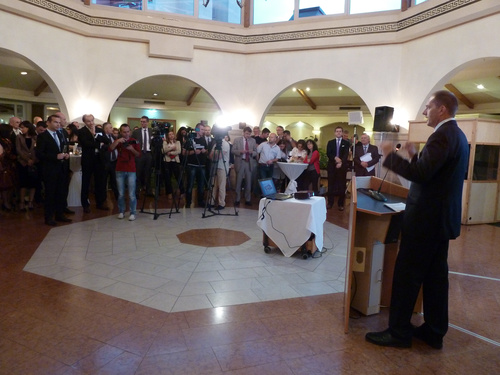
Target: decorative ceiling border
point(378, 28)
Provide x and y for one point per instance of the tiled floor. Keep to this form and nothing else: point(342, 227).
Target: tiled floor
point(52, 327)
point(145, 262)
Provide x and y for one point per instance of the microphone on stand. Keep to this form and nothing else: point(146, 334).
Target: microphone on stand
point(377, 195)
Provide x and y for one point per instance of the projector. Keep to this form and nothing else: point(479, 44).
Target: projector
point(303, 195)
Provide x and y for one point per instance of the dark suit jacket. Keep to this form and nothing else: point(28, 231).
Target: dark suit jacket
point(46, 151)
point(137, 134)
point(434, 203)
point(89, 145)
point(358, 152)
point(331, 151)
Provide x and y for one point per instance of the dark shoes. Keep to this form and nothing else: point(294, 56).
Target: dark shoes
point(219, 207)
point(330, 205)
point(341, 208)
point(422, 333)
point(63, 219)
point(86, 209)
point(237, 204)
point(103, 207)
point(248, 203)
point(51, 223)
point(67, 211)
point(385, 338)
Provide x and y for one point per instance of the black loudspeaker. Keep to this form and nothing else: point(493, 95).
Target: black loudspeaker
point(382, 120)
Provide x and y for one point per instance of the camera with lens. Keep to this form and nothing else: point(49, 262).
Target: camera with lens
point(219, 133)
point(129, 142)
point(159, 128)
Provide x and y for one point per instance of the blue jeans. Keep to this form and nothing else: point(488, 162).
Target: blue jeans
point(266, 171)
point(129, 177)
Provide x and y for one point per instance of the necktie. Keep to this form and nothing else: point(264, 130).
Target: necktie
point(365, 148)
point(145, 140)
point(338, 146)
point(56, 138)
point(246, 149)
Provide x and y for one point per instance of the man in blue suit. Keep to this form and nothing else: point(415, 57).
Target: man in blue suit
point(432, 217)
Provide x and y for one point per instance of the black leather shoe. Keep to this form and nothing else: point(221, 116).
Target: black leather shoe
point(219, 207)
point(423, 334)
point(237, 203)
point(103, 207)
point(51, 223)
point(67, 211)
point(385, 338)
point(86, 210)
point(248, 203)
point(63, 219)
point(330, 205)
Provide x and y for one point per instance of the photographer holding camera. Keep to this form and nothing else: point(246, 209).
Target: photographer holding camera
point(128, 149)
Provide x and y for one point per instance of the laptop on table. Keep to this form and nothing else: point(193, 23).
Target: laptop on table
point(269, 190)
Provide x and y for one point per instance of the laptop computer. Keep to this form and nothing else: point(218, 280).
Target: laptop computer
point(269, 190)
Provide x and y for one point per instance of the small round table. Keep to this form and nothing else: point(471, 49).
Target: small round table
point(75, 185)
point(292, 171)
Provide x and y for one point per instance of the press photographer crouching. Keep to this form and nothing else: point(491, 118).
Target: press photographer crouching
point(128, 149)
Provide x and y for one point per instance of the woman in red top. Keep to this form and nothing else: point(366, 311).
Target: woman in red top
point(311, 174)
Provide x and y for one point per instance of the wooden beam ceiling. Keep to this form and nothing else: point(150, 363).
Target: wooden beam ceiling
point(306, 98)
point(459, 95)
point(41, 88)
point(191, 98)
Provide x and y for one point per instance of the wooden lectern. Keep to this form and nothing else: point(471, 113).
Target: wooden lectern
point(371, 223)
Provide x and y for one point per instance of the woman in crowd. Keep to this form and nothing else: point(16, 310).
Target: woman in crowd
point(171, 162)
point(299, 152)
point(312, 172)
point(28, 174)
point(72, 130)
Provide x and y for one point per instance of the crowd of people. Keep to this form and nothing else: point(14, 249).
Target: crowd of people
point(35, 160)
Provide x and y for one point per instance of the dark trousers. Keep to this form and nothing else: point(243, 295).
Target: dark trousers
point(197, 172)
point(110, 177)
point(172, 169)
point(336, 184)
point(420, 263)
point(266, 171)
point(143, 171)
point(93, 167)
point(56, 191)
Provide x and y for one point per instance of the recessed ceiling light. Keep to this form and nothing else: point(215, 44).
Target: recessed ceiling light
point(480, 87)
point(155, 94)
point(24, 73)
point(294, 89)
point(308, 89)
point(340, 88)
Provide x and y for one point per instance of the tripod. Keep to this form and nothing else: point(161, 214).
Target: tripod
point(217, 155)
point(156, 150)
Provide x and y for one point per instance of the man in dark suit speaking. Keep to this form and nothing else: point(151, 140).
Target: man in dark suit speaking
point(432, 217)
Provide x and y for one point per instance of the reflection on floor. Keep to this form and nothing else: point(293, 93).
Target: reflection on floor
point(52, 327)
point(144, 261)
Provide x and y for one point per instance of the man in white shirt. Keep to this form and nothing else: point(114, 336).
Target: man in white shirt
point(268, 155)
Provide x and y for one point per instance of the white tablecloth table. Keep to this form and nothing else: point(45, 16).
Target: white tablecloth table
point(289, 223)
point(75, 185)
point(292, 171)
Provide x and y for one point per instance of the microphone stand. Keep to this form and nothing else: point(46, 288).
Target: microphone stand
point(377, 195)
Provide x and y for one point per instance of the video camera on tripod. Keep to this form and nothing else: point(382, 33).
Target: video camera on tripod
point(219, 133)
